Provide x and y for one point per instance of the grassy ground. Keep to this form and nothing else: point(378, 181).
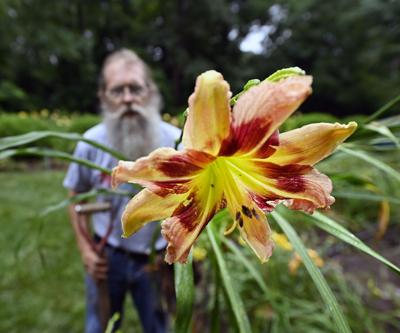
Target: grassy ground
point(41, 287)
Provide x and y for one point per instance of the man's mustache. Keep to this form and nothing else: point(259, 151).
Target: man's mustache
point(127, 111)
point(131, 111)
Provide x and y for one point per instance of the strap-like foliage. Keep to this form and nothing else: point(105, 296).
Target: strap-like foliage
point(20, 140)
point(373, 161)
point(184, 288)
point(365, 196)
point(324, 222)
point(43, 152)
point(319, 280)
point(82, 197)
point(383, 109)
point(235, 301)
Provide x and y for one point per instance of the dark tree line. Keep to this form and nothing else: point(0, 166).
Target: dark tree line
point(50, 51)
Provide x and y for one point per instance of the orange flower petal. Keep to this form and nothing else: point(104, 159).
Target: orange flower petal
point(255, 230)
point(146, 207)
point(163, 168)
point(260, 111)
point(311, 143)
point(308, 188)
point(317, 193)
point(208, 121)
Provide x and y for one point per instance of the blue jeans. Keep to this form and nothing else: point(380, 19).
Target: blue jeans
point(126, 274)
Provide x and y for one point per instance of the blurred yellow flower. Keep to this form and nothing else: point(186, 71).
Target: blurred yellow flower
point(23, 114)
point(44, 113)
point(282, 241)
point(295, 262)
point(199, 253)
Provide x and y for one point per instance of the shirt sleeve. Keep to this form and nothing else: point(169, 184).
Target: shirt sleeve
point(78, 177)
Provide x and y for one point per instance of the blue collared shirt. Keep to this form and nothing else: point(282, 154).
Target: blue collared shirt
point(82, 179)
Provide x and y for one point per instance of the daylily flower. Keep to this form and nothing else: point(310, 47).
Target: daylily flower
point(233, 158)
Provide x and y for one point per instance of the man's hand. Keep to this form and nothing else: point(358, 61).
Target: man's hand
point(95, 264)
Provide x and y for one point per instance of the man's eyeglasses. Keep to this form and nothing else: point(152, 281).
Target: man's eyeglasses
point(119, 91)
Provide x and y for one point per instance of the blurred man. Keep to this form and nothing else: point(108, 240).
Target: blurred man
point(130, 103)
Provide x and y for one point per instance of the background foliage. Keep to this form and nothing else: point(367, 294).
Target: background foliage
point(51, 50)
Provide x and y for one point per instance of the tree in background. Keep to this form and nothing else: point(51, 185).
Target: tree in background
point(51, 50)
point(351, 47)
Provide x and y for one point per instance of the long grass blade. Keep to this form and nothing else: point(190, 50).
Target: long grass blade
point(19, 140)
point(184, 289)
point(216, 303)
point(234, 298)
point(82, 197)
point(383, 109)
point(324, 222)
point(369, 159)
point(365, 196)
point(251, 269)
point(113, 320)
point(44, 152)
point(319, 280)
point(384, 131)
point(270, 295)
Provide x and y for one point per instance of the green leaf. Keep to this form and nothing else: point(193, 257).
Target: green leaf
point(383, 109)
point(251, 83)
point(335, 229)
point(43, 152)
point(251, 269)
point(184, 116)
point(19, 140)
point(284, 73)
point(270, 295)
point(319, 280)
point(383, 130)
point(82, 197)
point(112, 322)
point(393, 121)
point(349, 179)
point(234, 298)
point(365, 196)
point(371, 160)
point(184, 289)
point(215, 301)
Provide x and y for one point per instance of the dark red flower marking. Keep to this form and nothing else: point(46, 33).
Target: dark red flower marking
point(163, 188)
point(229, 146)
point(252, 133)
point(248, 135)
point(293, 184)
point(262, 201)
point(182, 165)
point(289, 177)
point(266, 149)
point(188, 215)
point(276, 171)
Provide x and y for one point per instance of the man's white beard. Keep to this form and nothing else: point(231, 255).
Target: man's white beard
point(134, 135)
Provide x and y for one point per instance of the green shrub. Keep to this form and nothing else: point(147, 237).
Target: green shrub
point(15, 124)
point(81, 123)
